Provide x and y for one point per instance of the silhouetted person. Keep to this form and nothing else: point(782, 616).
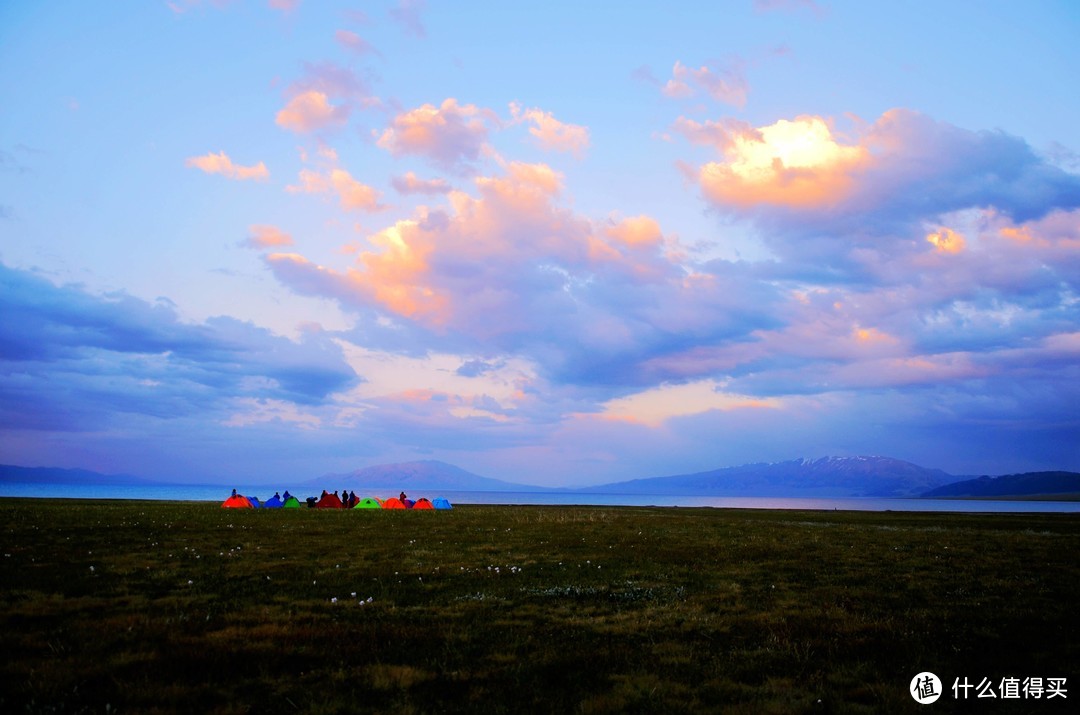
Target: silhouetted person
point(287, 495)
point(403, 497)
point(234, 492)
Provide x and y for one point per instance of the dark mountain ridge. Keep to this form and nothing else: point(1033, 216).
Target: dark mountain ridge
point(1026, 484)
point(824, 477)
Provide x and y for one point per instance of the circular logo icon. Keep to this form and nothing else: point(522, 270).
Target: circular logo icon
point(925, 688)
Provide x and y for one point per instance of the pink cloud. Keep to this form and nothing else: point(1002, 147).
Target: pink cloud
point(265, 236)
point(354, 43)
point(285, 6)
point(220, 163)
point(311, 111)
point(411, 184)
point(550, 133)
point(451, 135)
point(727, 84)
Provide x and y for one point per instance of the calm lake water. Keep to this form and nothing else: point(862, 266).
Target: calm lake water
point(174, 492)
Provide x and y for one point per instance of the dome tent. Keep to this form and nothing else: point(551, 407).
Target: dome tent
point(273, 502)
point(368, 503)
point(441, 503)
point(422, 503)
point(236, 502)
point(329, 501)
point(393, 503)
point(291, 503)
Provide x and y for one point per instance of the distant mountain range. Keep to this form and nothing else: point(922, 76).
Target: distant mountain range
point(427, 474)
point(1027, 484)
point(824, 477)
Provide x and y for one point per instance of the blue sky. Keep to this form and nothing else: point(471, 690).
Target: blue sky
point(556, 244)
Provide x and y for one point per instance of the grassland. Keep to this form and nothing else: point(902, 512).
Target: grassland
point(185, 607)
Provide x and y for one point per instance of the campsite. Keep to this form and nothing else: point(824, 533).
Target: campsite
point(128, 606)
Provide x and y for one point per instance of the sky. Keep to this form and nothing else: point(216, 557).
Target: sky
point(554, 243)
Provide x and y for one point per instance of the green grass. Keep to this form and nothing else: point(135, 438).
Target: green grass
point(184, 607)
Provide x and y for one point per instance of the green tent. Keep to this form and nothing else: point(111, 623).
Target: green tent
point(368, 503)
point(291, 503)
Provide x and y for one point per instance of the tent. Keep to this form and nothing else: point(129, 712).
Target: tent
point(408, 503)
point(236, 502)
point(291, 503)
point(441, 503)
point(393, 503)
point(368, 503)
point(273, 502)
point(255, 502)
point(422, 503)
point(328, 501)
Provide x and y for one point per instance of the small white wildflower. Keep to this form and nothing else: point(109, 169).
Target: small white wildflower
point(91, 569)
point(333, 600)
point(190, 582)
point(369, 599)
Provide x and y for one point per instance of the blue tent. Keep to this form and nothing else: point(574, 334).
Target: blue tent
point(441, 503)
point(273, 502)
point(255, 502)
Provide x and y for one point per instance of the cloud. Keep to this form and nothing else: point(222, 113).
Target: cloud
point(285, 6)
point(264, 236)
point(550, 133)
point(324, 98)
point(220, 163)
point(408, 14)
point(311, 111)
point(73, 360)
point(852, 202)
point(797, 163)
point(655, 406)
point(354, 43)
point(451, 135)
point(352, 194)
point(510, 270)
point(411, 184)
point(726, 84)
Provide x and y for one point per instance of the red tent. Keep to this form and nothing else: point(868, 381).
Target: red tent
point(236, 502)
point(393, 503)
point(423, 503)
point(328, 501)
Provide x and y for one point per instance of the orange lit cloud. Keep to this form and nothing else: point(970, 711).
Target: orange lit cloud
point(352, 194)
point(796, 163)
point(220, 163)
point(655, 406)
point(264, 236)
point(311, 111)
point(637, 231)
point(550, 133)
point(945, 240)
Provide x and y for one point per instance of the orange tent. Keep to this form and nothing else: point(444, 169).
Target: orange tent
point(236, 502)
point(423, 503)
point(393, 503)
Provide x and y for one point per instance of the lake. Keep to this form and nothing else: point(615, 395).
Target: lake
point(213, 493)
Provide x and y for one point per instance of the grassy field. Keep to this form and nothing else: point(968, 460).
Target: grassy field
point(185, 607)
